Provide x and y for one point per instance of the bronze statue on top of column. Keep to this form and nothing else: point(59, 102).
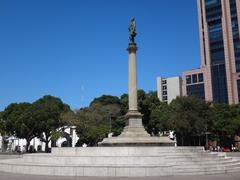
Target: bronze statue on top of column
point(132, 30)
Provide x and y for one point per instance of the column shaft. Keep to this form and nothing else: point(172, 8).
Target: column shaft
point(132, 82)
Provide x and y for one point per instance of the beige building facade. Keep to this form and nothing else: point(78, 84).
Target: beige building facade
point(193, 83)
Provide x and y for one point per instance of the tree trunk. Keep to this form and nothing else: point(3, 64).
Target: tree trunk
point(27, 145)
point(182, 140)
point(47, 150)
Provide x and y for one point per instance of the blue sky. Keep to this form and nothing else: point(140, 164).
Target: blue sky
point(76, 49)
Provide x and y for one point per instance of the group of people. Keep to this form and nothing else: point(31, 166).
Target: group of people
point(223, 149)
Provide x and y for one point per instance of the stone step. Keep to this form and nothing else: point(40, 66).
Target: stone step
point(203, 163)
point(56, 164)
point(235, 169)
point(208, 166)
point(184, 164)
point(111, 164)
point(44, 169)
point(168, 156)
point(86, 171)
point(119, 159)
point(98, 160)
point(194, 158)
point(120, 151)
point(122, 161)
point(172, 154)
point(207, 170)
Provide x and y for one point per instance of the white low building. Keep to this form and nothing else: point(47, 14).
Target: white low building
point(169, 88)
point(13, 143)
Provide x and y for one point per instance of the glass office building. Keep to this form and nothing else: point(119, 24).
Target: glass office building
point(220, 50)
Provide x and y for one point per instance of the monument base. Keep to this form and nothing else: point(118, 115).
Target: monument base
point(137, 141)
point(134, 134)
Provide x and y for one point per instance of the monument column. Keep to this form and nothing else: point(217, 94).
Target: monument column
point(134, 126)
point(134, 133)
point(132, 77)
point(134, 117)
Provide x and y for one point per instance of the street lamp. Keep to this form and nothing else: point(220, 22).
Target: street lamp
point(110, 123)
point(207, 133)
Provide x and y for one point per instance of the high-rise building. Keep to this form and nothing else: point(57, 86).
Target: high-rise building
point(220, 49)
point(169, 88)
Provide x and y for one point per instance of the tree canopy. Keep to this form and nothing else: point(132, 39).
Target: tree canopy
point(17, 119)
point(189, 117)
point(97, 120)
point(39, 119)
point(47, 111)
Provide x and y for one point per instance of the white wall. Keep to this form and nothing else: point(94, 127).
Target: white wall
point(159, 88)
point(13, 142)
point(1, 141)
point(173, 88)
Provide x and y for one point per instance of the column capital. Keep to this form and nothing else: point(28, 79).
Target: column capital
point(133, 114)
point(132, 48)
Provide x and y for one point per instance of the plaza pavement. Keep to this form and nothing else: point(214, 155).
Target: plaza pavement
point(8, 176)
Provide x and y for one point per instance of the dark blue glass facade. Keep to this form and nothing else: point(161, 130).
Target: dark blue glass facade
point(235, 31)
point(236, 39)
point(219, 85)
point(195, 85)
point(213, 10)
point(238, 86)
point(196, 90)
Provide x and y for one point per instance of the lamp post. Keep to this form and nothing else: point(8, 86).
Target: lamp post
point(110, 123)
point(207, 133)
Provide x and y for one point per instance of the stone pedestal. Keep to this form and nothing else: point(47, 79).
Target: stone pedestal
point(134, 128)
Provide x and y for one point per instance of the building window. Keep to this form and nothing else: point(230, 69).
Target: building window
point(219, 84)
point(164, 87)
point(164, 98)
point(238, 87)
point(188, 79)
point(164, 81)
point(200, 77)
point(164, 93)
point(196, 90)
point(210, 2)
point(194, 78)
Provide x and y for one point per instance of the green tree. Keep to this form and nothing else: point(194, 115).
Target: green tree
point(18, 120)
point(2, 126)
point(223, 117)
point(105, 100)
point(160, 118)
point(47, 111)
point(235, 109)
point(191, 117)
point(227, 123)
point(146, 106)
point(93, 122)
